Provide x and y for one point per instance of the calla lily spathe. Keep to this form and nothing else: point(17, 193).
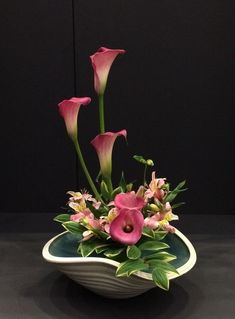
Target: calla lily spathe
point(129, 201)
point(103, 144)
point(101, 63)
point(127, 227)
point(69, 111)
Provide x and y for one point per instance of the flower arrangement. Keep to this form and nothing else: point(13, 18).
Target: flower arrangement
point(123, 223)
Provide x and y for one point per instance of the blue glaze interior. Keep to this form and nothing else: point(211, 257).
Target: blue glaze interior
point(66, 246)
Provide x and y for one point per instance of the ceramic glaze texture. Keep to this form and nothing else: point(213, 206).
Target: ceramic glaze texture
point(98, 274)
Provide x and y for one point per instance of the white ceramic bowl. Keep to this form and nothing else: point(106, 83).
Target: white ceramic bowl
point(98, 274)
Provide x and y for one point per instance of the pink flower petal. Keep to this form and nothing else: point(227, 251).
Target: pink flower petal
point(69, 111)
point(153, 221)
point(102, 61)
point(96, 205)
point(103, 143)
point(129, 201)
point(93, 223)
point(169, 228)
point(85, 213)
point(127, 227)
point(76, 217)
point(154, 189)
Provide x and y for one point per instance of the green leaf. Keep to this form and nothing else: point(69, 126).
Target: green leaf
point(101, 249)
point(100, 233)
point(87, 247)
point(113, 252)
point(104, 190)
point(103, 210)
point(161, 255)
point(172, 194)
point(129, 267)
point(122, 183)
point(62, 218)
point(160, 278)
point(148, 232)
point(160, 234)
point(116, 191)
point(156, 263)
point(74, 227)
point(133, 252)
point(170, 197)
point(177, 205)
point(153, 245)
point(181, 184)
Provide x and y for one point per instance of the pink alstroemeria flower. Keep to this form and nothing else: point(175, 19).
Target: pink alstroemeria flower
point(154, 189)
point(103, 143)
point(127, 227)
point(101, 63)
point(169, 228)
point(153, 221)
point(87, 219)
point(69, 111)
point(85, 213)
point(129, 201)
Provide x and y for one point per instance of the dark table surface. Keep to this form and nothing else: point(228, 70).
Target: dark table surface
point(32, 288)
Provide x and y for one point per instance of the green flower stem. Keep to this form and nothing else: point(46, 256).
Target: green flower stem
point(145, 170)
point(86, 172)
point(101, 113)
point(108, 182)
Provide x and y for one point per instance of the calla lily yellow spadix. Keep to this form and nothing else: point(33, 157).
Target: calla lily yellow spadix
point(118, 222)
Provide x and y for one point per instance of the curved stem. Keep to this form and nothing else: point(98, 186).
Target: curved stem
point(109, 184)
point(101, 113)
point(86, 172)
point(145, 170)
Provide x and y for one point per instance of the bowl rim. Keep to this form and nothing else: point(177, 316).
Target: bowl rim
point(78, 260)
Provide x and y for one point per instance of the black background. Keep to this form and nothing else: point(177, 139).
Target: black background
point(173, 91)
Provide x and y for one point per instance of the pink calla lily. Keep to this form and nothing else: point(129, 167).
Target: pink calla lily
point(129, 201)
point(103, 143)
point(127, 227)
point(69, 111)
point(101, 63)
